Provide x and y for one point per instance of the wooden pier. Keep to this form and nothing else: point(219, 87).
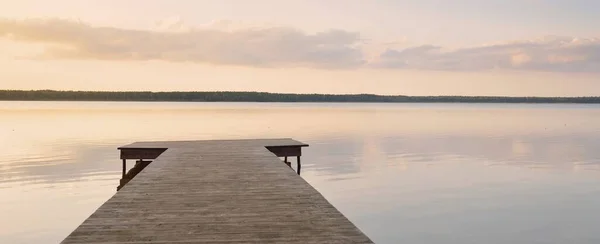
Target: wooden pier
point(226, 191)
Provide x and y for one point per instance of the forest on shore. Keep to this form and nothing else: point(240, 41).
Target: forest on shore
point(229, 96)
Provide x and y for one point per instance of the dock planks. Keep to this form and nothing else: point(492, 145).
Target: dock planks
point(229, 191)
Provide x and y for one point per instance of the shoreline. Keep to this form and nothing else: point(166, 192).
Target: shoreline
point(264, 97)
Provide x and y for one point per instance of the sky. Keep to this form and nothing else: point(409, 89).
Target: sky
point(426, 47)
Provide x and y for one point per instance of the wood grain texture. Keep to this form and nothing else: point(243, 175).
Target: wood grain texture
point(217, 192)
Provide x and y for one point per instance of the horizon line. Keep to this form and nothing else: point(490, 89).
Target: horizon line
point(286, 93)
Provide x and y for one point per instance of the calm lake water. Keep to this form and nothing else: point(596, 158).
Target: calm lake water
point(403, 173)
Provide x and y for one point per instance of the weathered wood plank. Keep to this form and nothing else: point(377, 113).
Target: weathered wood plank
point(217, 192)
point(141, 153)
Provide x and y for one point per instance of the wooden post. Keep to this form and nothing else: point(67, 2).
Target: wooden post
point(299, 165)
point(285, 160)
point(124, 168)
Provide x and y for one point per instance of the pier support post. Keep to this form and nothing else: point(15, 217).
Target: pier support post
point(299, 165)
point(124, 168)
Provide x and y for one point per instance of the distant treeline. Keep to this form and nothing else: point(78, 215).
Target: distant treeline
point(51, 95)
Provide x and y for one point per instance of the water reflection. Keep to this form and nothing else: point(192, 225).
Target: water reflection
point(404, 173)
point(67, 164)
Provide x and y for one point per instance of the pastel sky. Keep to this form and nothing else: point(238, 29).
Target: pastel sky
point(426, 47)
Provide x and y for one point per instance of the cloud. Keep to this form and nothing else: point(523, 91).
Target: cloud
point(232, 43)
point(558, 54)
point(265, 47)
